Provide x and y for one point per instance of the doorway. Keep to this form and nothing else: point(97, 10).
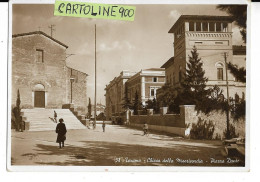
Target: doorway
point(39, 99)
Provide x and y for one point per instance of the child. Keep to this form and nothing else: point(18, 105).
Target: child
point(61, 130)
point(103, 126)
point(145, 128)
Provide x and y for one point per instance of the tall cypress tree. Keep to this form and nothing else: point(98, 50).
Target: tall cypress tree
point(89, 108)
point(194, 84)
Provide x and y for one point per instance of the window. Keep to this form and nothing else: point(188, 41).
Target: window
point(218, 42)
point(39, 56)
point(152, 92)
point(198, 26)
point(155, 79)
point(220, 73)
point(212, 27)
point(225, 29)
point(218, 27)
point(205, 26)
point(198, 43)
point(191, 26)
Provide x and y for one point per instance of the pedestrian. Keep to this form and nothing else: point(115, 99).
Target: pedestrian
point(55, 116)
point(145, 128)
point(61, 130)
point(103, 126)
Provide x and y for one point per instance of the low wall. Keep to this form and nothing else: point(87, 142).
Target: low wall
point(172, 120)
point(220, 121)
point(181, 124)
point(170, 123)
point(168, 129)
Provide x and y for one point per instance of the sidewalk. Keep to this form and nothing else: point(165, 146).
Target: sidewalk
point(118, 146)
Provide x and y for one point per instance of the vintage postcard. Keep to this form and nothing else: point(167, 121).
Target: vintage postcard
point(111, 86)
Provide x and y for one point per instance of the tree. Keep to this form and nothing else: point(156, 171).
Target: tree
point(167, 97)
point(194, 84)
point(127, 104)
point(17, 112)
point(152, 104)
point(239, 73)
point(239, 13)
point(137, 104)
point(89, 108)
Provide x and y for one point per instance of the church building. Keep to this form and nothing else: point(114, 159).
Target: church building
point(40, 73)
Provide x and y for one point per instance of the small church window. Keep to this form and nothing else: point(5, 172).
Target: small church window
point(39, 56)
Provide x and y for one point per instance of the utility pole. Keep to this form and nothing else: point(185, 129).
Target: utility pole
point(225, 57)
point(95, 98)
point(52, 29)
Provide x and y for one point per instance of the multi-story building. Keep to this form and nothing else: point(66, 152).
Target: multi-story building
point(212, 36)
point(40, 73)
point(115, 94)
point(145, 83)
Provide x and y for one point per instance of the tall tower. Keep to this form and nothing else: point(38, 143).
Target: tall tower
point(212, 36)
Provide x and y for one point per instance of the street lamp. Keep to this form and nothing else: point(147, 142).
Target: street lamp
point(72, 78)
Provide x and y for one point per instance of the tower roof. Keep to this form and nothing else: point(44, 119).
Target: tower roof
point(200, 18)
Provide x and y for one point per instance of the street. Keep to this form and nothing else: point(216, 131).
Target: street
point(117, 146)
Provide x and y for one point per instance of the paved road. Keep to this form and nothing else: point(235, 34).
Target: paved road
point(118, 146)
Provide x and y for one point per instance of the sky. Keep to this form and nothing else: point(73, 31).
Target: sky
point(121, 45)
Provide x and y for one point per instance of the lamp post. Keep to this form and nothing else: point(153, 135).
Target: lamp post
point(71, 81)
point(228, 102)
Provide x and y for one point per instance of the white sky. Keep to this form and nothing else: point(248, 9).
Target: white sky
point(121, 45)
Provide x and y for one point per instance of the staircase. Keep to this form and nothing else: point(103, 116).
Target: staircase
point(42, 119)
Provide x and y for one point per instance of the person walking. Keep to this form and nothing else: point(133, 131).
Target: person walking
point(55, 116)
point(103, 126)
point(145, 128)
point(61, 130)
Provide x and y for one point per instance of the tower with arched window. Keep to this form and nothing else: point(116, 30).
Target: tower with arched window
point(212, 36)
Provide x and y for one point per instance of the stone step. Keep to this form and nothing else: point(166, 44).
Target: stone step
point(39, 119)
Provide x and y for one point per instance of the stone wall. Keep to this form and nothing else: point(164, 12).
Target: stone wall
point(79, 91)
point(181, 124)
point(173, 120)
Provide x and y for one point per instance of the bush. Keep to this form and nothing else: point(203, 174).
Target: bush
point(202, 130)
point(232, 132)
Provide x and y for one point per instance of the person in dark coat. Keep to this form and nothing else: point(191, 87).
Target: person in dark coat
point(103, 126)
point(61, 130)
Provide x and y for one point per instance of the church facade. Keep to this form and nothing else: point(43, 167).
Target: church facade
point(40, 73)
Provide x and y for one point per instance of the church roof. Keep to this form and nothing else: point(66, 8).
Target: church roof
point(41, 33)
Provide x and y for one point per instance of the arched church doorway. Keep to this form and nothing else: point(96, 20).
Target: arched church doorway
point(39, 96)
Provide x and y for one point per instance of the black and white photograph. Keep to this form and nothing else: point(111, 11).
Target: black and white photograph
point(168, 89)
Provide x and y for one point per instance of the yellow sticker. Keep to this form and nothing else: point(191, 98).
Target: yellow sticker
point(91, 10)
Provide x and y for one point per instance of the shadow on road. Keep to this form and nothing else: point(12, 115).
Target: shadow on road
point(105, 154)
